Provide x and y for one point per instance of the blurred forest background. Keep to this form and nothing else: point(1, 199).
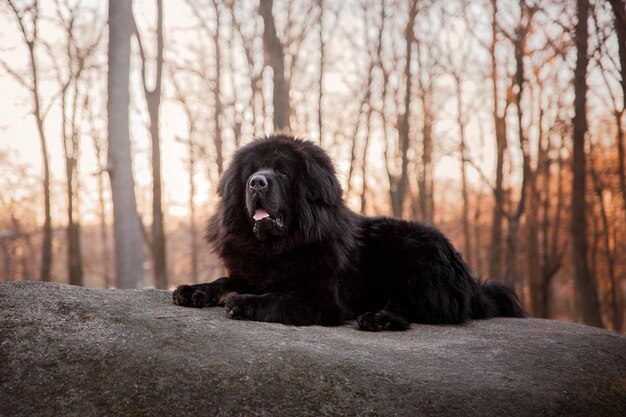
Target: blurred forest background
point(499, 121)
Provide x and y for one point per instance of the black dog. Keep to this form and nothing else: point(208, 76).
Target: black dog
point(297, 255)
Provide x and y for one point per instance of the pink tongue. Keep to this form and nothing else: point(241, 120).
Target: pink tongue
point(260, 214)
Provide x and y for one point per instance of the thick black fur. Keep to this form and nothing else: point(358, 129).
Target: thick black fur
point(313, 261)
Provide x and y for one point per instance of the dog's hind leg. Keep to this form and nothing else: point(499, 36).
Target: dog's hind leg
point(388, 318)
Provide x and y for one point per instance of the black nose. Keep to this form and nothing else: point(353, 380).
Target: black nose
point(258, 182)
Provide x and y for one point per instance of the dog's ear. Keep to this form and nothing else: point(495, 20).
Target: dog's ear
point(320, 182)
point(320, 198)
point(228, 210)
point(227, 182)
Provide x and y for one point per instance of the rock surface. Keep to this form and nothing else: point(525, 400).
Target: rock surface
point(78, 352)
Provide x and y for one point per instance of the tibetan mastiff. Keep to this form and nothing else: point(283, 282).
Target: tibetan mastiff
point(295, 254)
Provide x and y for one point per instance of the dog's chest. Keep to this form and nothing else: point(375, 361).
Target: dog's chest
point(281, 272)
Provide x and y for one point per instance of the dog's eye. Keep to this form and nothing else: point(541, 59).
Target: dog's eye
point(281, 171)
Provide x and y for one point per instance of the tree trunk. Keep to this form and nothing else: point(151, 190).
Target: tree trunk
point(126, 225)
point(276, 60)
point(320, 87)
point(519, 44)
point(425, 182)
point(404, 125)
point(31, 41)
point(367, 123)
point(46, 245)
point(153, 101)
point(495, 257)
point(74, 258)
point(552, 262)
point(393, 183)
point(104, 232)
point(217, 110)
point(533, 256)
point(192, 206)
point(467, 239)
point(477, 260)
point(363, 110)
point(102, 213)
point(587, 290)
point(619, 19)
point(542, 236)
point(615, 296)
point(425, 177)
point(154, 105)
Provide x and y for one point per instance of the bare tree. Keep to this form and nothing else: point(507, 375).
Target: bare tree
point(212, 31)
point(609, 251)
point(126, 224)
point(461, 122)
point(360, 134)
point(361, 124)
point(98, 145)
point(255, 67)
point(217, 108)
point(500, 129)
point(519, 40)
point(400, 184)
point(545, 204)
point(27, 19)
point(553, 250)
point(619, 19)
point(587, 290)
point(322, 64)
point(426, 93)
point(502, 99)
point(276, 60)
point(153, 101)
point(77, 50)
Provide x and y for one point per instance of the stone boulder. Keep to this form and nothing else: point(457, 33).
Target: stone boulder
point(71, 351)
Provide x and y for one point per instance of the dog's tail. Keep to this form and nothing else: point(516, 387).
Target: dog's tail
point(501, 299)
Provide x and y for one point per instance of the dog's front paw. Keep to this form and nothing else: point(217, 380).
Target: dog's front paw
point(194, 296)
point(237, 306)
point(376, 321)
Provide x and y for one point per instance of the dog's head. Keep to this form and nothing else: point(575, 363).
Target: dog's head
point(275, 188)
